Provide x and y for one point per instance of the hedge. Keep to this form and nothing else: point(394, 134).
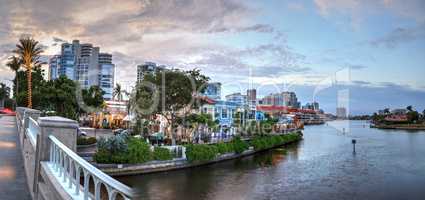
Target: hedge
point(265, 142)
point(161, 153)
point(201, 152)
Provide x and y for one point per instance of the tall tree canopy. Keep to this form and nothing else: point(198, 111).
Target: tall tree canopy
point(167, 93)
point(29, 51)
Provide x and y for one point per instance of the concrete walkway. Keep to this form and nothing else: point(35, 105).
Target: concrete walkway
point(13, 184)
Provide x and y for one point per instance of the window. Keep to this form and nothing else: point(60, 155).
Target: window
point(216, 113)
point(224, 113)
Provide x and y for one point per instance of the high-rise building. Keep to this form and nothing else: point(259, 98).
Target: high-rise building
point(213, 90)
point(312, 106)
point(148, 67)
point(106, 74)
point(251, 95)
point(288, 99)
point(341, 112)
point(55, 62)
point(84, 64)
point(237, 98)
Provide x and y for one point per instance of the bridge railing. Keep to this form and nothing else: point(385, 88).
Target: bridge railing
point(68, 166)
point(52, 167)
point(32, 131)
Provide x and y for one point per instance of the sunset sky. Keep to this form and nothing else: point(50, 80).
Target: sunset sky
point(270, 45)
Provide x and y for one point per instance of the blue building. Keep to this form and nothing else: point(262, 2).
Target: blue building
point(55, 62)
point(213, 91)
point(84, 64)
point(223, 111)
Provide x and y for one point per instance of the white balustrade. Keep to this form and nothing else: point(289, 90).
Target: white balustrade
point(32, 131)
point(68, 167)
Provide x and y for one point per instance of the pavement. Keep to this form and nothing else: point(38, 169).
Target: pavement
point(13, 183)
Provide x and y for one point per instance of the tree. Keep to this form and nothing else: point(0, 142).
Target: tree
point(409, 108)
point(59, 95)
point(4, 91)
point(386, 111)
point(93, 96)
point(15, 64)
point(38, 83)
point(168, 93)
point(29, 52)
point(118, 92)
point(412, 116)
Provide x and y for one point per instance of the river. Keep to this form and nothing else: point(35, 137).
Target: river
point(388, 164)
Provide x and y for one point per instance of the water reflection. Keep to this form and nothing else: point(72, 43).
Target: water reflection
point(388, 165)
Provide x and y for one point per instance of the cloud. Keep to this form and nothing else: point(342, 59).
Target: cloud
point(399, 36)
point(168, 32)
point(359, 11)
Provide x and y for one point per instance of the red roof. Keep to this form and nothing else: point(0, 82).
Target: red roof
point(206, 99)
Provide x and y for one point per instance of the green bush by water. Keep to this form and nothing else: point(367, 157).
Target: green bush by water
point(265, 142)
point(161, 153)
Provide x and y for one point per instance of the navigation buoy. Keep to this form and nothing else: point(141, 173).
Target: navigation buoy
point(353, 141)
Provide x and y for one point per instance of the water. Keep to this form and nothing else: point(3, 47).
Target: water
point(388, 164)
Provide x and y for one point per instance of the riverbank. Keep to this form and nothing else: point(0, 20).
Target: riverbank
point(175, 164)
point(399, 126)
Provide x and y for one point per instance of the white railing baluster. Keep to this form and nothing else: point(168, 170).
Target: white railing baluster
point(86, 184)
point(110, 192)
point(60, 163)
point(77, 179)
point(97, 185)
point(65, 162)
point(71, 171)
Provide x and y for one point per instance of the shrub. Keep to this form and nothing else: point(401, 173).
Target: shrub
point(86, 140)
point(113, 144)
point(120, 149)
point(160, 153)
point(224, 147)
point(239, 146)
point(201, 152)
point(102, 156)
point(265, 142)
point(138, 151)
point(119, 158)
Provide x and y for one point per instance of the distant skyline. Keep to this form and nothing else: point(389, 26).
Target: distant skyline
point(271, 45)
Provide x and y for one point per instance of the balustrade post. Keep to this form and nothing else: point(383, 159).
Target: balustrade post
point(65, 130)
point(34, 114)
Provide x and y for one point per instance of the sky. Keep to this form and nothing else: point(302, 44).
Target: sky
point(373, 52)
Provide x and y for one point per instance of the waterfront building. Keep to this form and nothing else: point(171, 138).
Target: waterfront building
point(400, 111)
point(148, 67)
point(213, 91)
point(287, 99)
point(84, 64)
point(312, 106)
point(237, 98)
point(222, 111)
point(341, 112)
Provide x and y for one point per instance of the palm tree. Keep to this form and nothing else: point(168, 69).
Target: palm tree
point(15, 64)
point(118, 92)
point(29, 52)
